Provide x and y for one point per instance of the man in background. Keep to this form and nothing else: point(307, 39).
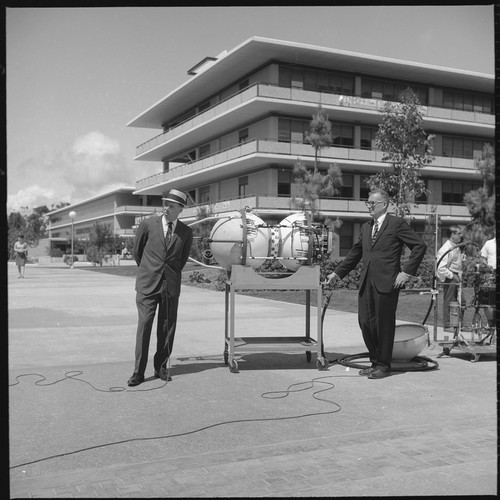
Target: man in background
point(449, 272)
point(489, 254)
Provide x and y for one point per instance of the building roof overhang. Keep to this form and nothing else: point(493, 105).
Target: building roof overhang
point(255, 52)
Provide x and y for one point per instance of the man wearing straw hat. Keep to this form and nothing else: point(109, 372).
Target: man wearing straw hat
point(161, 250)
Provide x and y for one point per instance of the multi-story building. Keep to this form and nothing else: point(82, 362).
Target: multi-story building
point(230, 135)
point(118, 209)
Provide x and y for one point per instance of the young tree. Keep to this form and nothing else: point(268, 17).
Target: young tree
point(481, 201)
point(319, 134)
point(312, 185)
point(408, 148)
point(101, 242)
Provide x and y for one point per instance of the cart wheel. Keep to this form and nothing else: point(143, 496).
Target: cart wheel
point(233, 366)
point(226, 358)
point(322, 364)
point(308, 356)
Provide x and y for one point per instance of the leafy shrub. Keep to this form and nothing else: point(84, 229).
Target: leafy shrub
point(68, 259)
point(220, 281)
point(198, 277)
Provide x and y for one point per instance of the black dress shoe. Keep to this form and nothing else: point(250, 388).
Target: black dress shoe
point(135, 379)
point(366, 371)
point(378, 373)
point(163, 374)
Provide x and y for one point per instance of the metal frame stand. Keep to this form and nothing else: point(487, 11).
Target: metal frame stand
point(244, 277)
point(482, 339)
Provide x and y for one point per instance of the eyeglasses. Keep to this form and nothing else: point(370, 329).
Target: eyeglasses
point(371, 204)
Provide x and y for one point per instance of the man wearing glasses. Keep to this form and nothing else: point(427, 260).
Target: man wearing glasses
point(380, 247)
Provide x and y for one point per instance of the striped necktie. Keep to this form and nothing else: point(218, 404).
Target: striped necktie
point(168, 236)
point(375, 231)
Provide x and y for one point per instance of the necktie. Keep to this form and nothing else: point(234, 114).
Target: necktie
point(168, 236)
point(375, 231)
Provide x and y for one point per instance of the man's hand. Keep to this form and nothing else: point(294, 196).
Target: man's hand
point(331, 277)
point(401, 279)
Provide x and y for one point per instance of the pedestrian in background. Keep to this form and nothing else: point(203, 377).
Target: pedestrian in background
point(380, 247)
point(21, 250)
point(161, 249)
point(449, 272)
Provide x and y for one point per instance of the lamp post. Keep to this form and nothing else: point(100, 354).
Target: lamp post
point(72, 216)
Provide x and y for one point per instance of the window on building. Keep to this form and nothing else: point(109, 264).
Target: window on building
point(364, 190)
point(292, 130)
point(343, 136)
point(243, 135)
point(347, 189)
point(191, 197)
point(346, 238)
point(467, 101)
point(310, 80)
point(462, 147)
point(204, 150)
point(316, 80)
point(284, 130)
point(204, 194)
point(388, 90)
point(453, 192)
point(285, 76)
point(368, 135)
point(242, 186)
point(284, 182)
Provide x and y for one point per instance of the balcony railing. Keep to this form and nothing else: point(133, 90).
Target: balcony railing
point(293, 151)
point(271, 91)
point(285, 205)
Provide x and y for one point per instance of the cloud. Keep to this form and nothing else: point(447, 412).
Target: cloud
point(92, 165)
point(31, 197)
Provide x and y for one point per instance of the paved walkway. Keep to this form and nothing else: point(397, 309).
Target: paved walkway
point(279, 427)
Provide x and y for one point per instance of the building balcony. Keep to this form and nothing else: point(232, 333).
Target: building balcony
point(265, 205)
point(136, 210)
point(261, 98)
point(257, 153)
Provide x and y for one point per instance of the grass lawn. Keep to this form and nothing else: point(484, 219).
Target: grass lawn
point(412, 307)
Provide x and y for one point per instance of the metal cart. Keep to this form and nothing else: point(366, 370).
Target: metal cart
point(245, 278)
point(480, 337)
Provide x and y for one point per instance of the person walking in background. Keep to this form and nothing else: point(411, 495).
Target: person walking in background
point(21, 250)
point(449, 272)
point(161, 249)
point(380, 247)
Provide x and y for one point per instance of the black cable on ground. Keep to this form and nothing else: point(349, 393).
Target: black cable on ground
point(418, 363)
point(266, 395)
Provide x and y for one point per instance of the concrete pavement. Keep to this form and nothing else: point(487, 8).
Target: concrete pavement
point(279, 427)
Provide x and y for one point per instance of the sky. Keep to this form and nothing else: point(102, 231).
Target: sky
point(77, 76)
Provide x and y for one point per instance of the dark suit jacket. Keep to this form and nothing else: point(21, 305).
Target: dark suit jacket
point(382, 260)
point(154, 258)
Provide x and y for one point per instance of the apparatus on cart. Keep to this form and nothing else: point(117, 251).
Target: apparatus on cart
point(241, 242)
